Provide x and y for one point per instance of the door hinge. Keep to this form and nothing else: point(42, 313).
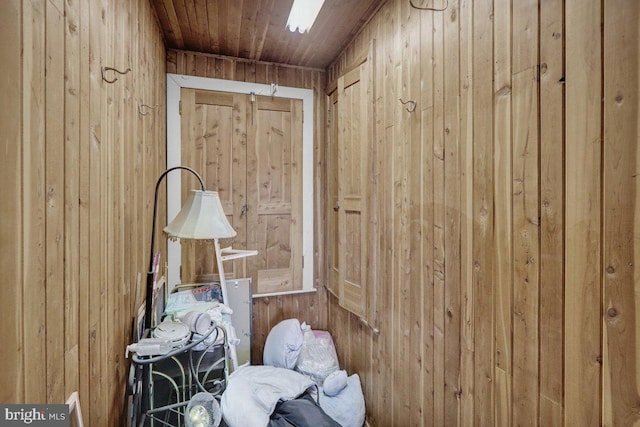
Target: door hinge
point(180, 107)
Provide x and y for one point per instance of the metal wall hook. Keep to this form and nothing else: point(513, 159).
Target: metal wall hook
point(141, 108)
point(105, 69)
point(412, 105)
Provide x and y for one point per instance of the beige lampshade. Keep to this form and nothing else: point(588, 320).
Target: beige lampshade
point(201, 217)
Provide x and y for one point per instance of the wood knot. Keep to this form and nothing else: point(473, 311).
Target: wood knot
point(543, 68)
point(612, 312)
point(610, 269)
point(619, 99)
point(504, 91)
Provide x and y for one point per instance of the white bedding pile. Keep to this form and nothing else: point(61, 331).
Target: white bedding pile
point(253, 392)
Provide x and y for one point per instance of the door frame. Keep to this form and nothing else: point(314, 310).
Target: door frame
point(175, 82)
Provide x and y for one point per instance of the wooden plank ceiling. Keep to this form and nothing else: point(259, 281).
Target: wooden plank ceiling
point(255, 29)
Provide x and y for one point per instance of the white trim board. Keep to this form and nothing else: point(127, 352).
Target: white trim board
point(174, 83)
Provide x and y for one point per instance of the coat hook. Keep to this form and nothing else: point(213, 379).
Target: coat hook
point(141, 108)
point(412, 105)
point(104, 69)
point(274, 89)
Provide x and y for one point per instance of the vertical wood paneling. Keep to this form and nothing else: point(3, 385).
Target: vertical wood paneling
point(96, 193)
point(582, 346)
point(68, 280)
point(12, 352)
point(406, 405)
point(405, 402)
point(525, 249)
point(383, 343)
point(621, 222)
point(502, 158)
point(467, 344)
point(438, 220)
point(33, 178)
point(483, 215)
point(72, 108)
point(54, 201)
point(452, 266)
point(551, 211)
point(526, 212)
point(416, 228)
point(84, 122)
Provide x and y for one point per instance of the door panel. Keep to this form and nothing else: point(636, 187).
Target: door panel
point(352, 160)
point(274, 177)
point(249, 149)
point(333, 208)
point(214, 144)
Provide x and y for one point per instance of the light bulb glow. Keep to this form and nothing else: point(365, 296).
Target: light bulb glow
point(199, 416)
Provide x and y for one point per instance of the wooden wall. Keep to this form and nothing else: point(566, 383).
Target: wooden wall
point(268, 311)
point(78, 169)
point(508, 215)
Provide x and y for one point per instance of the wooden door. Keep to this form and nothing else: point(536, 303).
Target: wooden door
point(355, 137)
point(214, 133)
point(274, 194)
point(249, 149)
point(333, 207)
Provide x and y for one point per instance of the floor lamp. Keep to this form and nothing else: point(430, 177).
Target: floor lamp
point(201, 218)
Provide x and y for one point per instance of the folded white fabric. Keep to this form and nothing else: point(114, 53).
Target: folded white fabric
point(335, 382)
point(347, 407)
point(253, 392)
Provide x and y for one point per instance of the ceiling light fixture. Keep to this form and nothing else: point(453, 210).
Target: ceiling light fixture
point(303, 14)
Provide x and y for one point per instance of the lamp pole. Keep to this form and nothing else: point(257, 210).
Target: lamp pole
point(144, 370)
point(150, 272)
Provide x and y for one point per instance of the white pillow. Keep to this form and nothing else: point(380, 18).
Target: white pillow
point(283, 344)
point(347, 407)
point(335, 382)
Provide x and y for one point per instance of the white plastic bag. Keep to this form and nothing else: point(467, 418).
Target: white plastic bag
point(317, 357)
